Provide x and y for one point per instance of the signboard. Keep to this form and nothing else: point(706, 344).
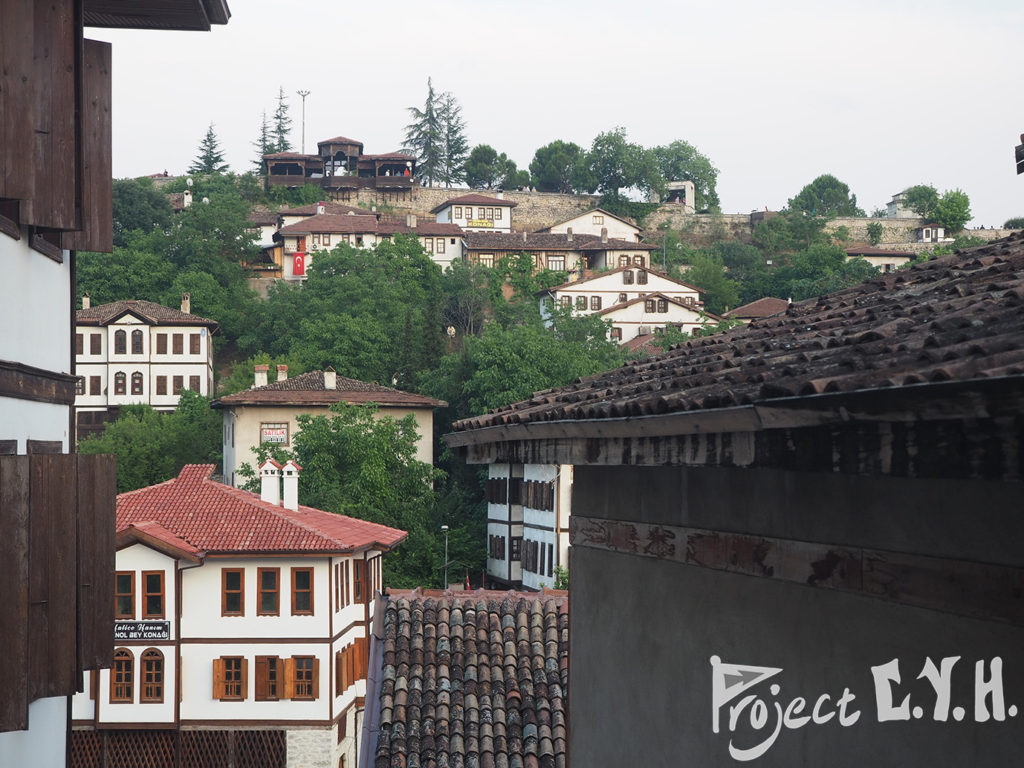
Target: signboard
point(480, 223)
point(142, 630)
point(299, 265)
point(274, 432)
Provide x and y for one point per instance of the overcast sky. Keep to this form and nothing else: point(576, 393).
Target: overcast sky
point(882, 94)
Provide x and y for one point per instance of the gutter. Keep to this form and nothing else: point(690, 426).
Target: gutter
point(374, 680)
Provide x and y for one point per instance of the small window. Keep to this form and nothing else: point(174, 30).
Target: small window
point(638, 260)
point(161, 343)
point(622, 298)
point(598, 219)
point(490, 214)
point(458, 211)
point(122, 677)
point(177, 384)
point(663, 305)
point(230, 678)
point(616, 334)
point(648, 305)
point(641, 277)
point(268, 678)
point(565, 301)
point(120, 383)
point(439, 245)
point(152, 594)
point(137, 383)
point(95, 385)
point(304, 671)
point(80, 385)
point(95, 344)
point(516, 553)
point(327, 238)
point(194, 343)
point(556, 263)
point(481, 213)
point(627, 277)
point(428, 244)
point(178, 343)
point(358, 579)
point(193, 383)
point(79, 344)
point(302, 591)
point(124, 595)
point(623, 261)
point(316, 238)
point(161, 385)
point(120, 342)
point(152, 677)
point(136, 342)
point(497, 214)
point(595, 303)
point(487, 259)
point(268, 598)
point(232, 597)
point(581, 302)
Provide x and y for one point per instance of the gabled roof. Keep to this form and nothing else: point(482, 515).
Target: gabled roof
point(870, 250)
point(338, 209)
point(339, 140)
point(617, 270)
point(484, 240)
point(955, 319)
point(473, 199)
point(765, 307)
point(422, 228)
point(333, 223)
point(589, 212)
point(696, 309)
point(643, 343)
point(308, 389)
point(199, 515)
point(472, 678)
point(147, 311)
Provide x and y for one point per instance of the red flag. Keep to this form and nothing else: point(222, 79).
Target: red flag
point(299, 264)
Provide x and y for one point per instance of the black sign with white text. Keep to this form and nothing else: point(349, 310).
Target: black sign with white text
point(142, 630)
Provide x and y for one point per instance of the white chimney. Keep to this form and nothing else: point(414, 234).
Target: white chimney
point(568, 234)
point(410, 220)
point(282, 373)
point(500, 194)
point(86, 301)
point(321, 207)
point(260, 375)
point(330, 379)
point(290, 472)
point(524, 235)
point(270, 482)
point(186, 303)
point(604, 234)
point(186, 198)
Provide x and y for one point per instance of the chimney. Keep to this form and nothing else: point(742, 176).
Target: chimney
point(500, 194)
point(270, 482)
point(321, 207)
point(410, 220)
point(568, 234)
point(290, 471)
point(186, 197)
point(282, 373)
point(524, 235)
point(330, 379)
point(260, 375)
point(604, 234)
point(86, 301)
point(186, 303)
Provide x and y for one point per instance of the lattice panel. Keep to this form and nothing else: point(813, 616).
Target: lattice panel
point(206, 749)
point(261, 749)
point(134, 749)
point(86, 749)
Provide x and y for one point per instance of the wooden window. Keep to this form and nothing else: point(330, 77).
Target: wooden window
point(428, 244)
point(177, 343)
point(268, 588)
point(598, 219)
point(161, 343)
point(316, 238)
point(627, 277)
point(161, 385)
point(487, 259)
point(623, 261)
point(497, 214)
point(638, 260)
point(581, 302)
point(302, 591)
point(541, 569)
point(458, 211)
point(622, 298)
point(232, 591)
point(327, 238)
point(152, 594)
point(124, 595)
point(663, 305)
point(79, 343)
point(137, 383)
point(152, 677)
point(337, 586)
point(177, 384)
point(194, 343)
point(490, 214)
point(95, 387)
point(120, 342)
point(345, 582)
point(193, 383)
point(80, 385)
point(439, 245)
point(136, 342)
point(616, 334)
point(302, 677)
point(268, 678)
point(95, 344)
point(595, 302)
point(556, 263)
point(481, 213)
point(230, 678)
point(641, 277)
point(122, 676)
point(120, 385)
point(551, 559)
point(565, 301)
point(649, 305)
point(358, 579)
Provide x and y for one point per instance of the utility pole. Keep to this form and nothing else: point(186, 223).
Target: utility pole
point(445, 529)
point(303, 94)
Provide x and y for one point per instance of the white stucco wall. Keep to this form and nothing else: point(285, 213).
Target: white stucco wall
point(470, 213)
point(585, 224)
point(44, 744)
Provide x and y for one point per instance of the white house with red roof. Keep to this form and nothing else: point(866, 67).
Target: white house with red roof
point(241, 621)
point(476, 212)
point(598, 222)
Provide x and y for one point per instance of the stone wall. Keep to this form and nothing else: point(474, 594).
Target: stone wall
point(311, 748)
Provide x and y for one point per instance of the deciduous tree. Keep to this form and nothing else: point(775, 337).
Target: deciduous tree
point(953, 211)
point(138, 205)
point(826, 196)
point(556, 166)
point(921, 199)
point(680, 161)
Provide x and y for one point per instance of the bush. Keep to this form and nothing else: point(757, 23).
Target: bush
point(1014, 223)
point(875, 233)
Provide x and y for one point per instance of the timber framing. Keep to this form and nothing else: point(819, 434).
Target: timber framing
point(26, 382)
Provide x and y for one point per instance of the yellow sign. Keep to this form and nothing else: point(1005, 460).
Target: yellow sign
point(480, 223)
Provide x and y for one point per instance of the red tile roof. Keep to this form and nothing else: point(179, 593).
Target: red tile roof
point(339, 140)
point(198, 514)
point(489, 240)
point(598, 275)
point(331, 223)
point(308, 389)
point(473, 199)
point(697, 309)
point(602, 211)
point(329, 207)
point(868, 250)
point(765, 307)
point(147, 311)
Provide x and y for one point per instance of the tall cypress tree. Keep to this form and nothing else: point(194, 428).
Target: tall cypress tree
point(456, 146)
point(211, 157)
point(264, 145)
point(282, 124)
point(424, 138)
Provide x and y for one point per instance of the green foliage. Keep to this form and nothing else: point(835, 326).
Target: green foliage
point(151, 446)
point(1015, 223)
point(680, 161)
point(557, 167)
point(425, 138)
point(921, 199)
point(483, 168)
point(617, 164)
point(264, 145)
point(138, 205)
point(826, 196)
point(211, 157)
point(959, 243)
point(561, 577)
point(456, 146)
point(952, 212)
point(875, 232)
point(814, 271)
point(707, 272)
point(789, 231)
point(282, 124)
point(622, 206)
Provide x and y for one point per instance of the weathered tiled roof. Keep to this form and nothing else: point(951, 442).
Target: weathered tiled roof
point(308, 389)
point(473, 199)
point(329, 207)
point(765, 307)
point(697, 309)
point(602, 211)
point(953, 319)
point(147, 311)
point(474, 679)
point(202, 515)
point(482, 240)
point(599, 275)
point(339, 140)
point(388, 156)
point(367, 223)
point(870, 250)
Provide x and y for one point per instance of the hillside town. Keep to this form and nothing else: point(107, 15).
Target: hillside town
point(419, 458)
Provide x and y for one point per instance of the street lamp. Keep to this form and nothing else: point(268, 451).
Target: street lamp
point(445, 529)
point(303, 94)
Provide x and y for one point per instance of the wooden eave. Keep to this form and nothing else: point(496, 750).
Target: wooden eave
point(195, 15)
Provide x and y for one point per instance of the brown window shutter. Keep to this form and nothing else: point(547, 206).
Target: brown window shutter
point(94, 683)
point(316, 678)
point(338, 676)
point(261, 669)
point(245, 678)
point(218, 678)
point(289, 678)
point(362, 660)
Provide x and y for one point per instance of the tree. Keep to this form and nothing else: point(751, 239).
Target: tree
point(482, 167)
point(425, 138)
point(952, 212)
point(680, 161)
point(282, 124)
point(555, 166)
point(708, 273)
point(826, 196)
point(264, 145)
point(1015, 223)
point(138, 205)
point(211, 157)
point(456, 146)
point(617, 164)
point(921, 199)
point(875, 231)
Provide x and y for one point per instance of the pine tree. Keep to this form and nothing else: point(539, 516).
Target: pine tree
point(211, 157)
point(264, 145)
point(456, 146)
point(424, 138)
point(282, 124)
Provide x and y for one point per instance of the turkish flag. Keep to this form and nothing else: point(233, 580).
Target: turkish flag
point(299, 264)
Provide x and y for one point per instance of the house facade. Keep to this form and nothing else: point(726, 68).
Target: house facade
point(597, 222)
point(882, 259)
point(476, 212)
point(130, 352)
point(241, 627)
point(268, 413)
point(566, 252)
point(341, 168)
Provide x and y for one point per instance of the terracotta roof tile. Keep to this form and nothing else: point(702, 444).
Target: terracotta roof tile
point(765, 307)
point(473, 199)
point(473, 679)
point(333, 223)
point(309, 388)
point(330, 207)
point(154, 314)
point(546, 241)
point(202, 515)
point(339, 140)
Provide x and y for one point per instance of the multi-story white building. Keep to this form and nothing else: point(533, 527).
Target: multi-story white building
point(241, 626)
point(597, 222)
point(476, 212)
point(138, 352)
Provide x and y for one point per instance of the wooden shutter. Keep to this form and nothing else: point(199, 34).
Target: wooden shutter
point(245, 678)
point(218, 678)
point(339, 677)
point(261, 678)
point(316, 678)
point(362, 660)
point(289, 678)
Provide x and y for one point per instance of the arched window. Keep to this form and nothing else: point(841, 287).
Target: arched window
point(152, 676)
point(119, 382)
point(120, 342)
point(136, 342)
point(137, 383)
point(122, 677)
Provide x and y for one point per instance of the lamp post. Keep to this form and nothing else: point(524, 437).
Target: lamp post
point(303, 94)
point(445, 529)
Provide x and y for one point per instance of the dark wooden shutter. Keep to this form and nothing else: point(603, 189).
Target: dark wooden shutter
point(245, 678)
point(262, 675)
point(289, 678)
point(316, 678)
